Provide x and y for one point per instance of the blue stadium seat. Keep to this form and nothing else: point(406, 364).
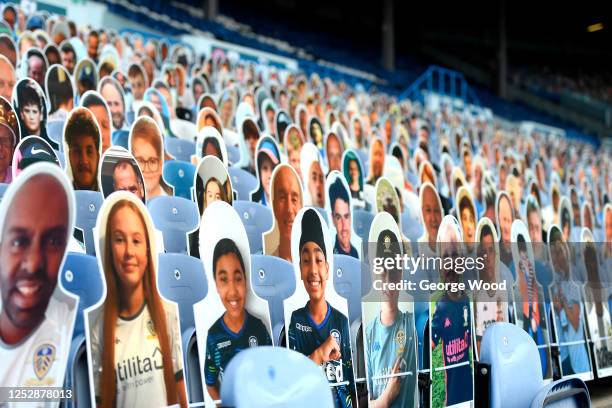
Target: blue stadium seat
point(257, 219)
point(180, 149)
point(323, 214)
point(362, 220)
point(81, 277)
point(516, 373)
point(347, 282)
point(3, 187)
point(61, 157)
point(88, 204)
point(412, 227)
point(55, 131)
point(233, 154)
point(120, 138)
point(273, 279)
point(181, 279)
point(266, 377)
point(179, 174)
point(174, 217)
point(243, 183)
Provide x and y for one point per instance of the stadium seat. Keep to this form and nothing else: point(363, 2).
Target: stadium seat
point(323, 214)
point(179, 174)
point(61, 158)
point(174, 217)
point(3, 187)
point(179, 149)
point(362, 220)
point(273, 279)
point(347, 282)
point(243, 183)
point(81, 277)
point(516, 373)
point(55, 131)
point(266, 377)
point(257, 219)
point(181, 279)
point(88, 204)
point(120, 138)
point(233, 154)
point(412, 227)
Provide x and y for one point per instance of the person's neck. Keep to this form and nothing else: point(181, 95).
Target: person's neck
point(345, 248)
point(234, 323)
point(317, 310)
point(131, 301)
point(284, 248)
point(155, 192)
point(10, 334)
point(388, 313)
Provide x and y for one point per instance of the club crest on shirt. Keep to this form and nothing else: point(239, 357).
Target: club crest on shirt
point(336, 335)
point(151, 329)
point(400, 339)
point(465, 316)
point(387, 244)
point(44, 357)
point(252, 341)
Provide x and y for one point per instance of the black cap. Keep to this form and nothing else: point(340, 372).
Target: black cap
point(387, 244)
point(312, 230)
point(33, 150)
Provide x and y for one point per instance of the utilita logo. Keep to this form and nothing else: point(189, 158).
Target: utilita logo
point(137, 366)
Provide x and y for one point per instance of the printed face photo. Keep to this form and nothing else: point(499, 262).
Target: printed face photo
point(82, 142)
point(93, 101)
point(334, 152)
point(377, 159)
point(293, 144)
point(138, 83)
point(85, 76)
point(212, 183)
point(7, 78)
point(144, 327)
point(146, 146)
point(8, 49)
point(316, 184)
point(504, 217)
point(287, 200)
point(113, 95)
point(120, 172)
point(31, 107)
point(34, 239)
point(431, 211)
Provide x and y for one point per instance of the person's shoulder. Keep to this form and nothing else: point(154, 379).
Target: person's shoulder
point(299, 314)
point(216, 328)
point(255, 322)
point(337, 315)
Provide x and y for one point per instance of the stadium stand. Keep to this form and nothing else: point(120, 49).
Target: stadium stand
point(193, 294)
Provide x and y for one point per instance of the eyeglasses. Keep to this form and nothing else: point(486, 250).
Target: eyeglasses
point(152, 164)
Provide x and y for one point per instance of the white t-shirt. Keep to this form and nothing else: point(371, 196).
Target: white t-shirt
point(41, 359)
point(487, 307)
point(138, 360)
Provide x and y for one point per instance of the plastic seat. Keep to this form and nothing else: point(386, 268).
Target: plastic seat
point(412, 227)
point(267, 377)
point(174, 217)
point(80, 276)
point(179, 174)
point(257, 219)
point(347, 282)
point(120, 138)
point(362, 220)
point(179, 149)
point(61, 158)
point(3, 187)
point(55, 131)
point(323, 214)
point(88, 204)
point(516, 372)
point(243, 183)
point(181, 279)
point(273, 279)
point(233, 154)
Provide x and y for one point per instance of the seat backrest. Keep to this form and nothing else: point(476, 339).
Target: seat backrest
point(3, 187)
point(61, 158)
point(266, 376)
point(88, 205)
point(412, 227)
point(233, 154)
point(55, 131)
point(347, 282)
point(174, 217)
point(120, 138)
point(257, 219)
point(243, 183)
point(273, 279)
point(81, 277)
point(180, 149)
point(362, 220)
point(516, 372)
point(564, 393)
point(181, 279)
point(179, 174)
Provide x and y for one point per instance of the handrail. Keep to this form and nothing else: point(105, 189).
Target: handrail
point(442, 81)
